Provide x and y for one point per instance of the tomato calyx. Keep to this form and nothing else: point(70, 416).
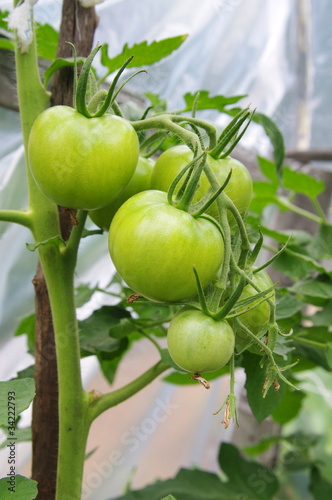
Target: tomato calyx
point(101, 99)
point(232, 134)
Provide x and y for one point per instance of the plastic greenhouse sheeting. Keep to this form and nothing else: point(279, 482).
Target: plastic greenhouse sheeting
point(279, 53)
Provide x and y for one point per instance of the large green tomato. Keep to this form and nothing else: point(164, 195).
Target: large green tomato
point(154, 247)
point(80, 162)
point(197, 343)
point(239, 189)
point(140, 181)
point(258, 317)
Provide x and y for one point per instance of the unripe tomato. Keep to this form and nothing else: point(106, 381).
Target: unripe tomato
point(140, 181)
point(154, 247)
point(239, 189)
point(197, 343)
point(258, 317)
point(80, 162)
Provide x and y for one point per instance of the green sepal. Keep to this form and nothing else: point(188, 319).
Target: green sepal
point(207, 205)
point(192, 184)
point(201, 295)
point(81, 88)
point(189, 167)
point(229, 134)
point(257, 248)
point(275, 256)
point(231, 301)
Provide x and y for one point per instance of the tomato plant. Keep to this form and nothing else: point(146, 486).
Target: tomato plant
point(167, 250)
point(198, 343)
point(154, 247)
point(239, 188)
point(81, 162)
point(140, 181)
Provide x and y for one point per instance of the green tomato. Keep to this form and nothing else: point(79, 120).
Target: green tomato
point(257, 318)
point(154, 247)
point(140, 181)
point(80, 162)
point(239, 189)
point(197, 343)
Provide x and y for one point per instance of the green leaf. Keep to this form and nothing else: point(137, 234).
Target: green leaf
point(159, 105)
point(27, 327)
point(287, 306)
point(321, 246)
point(206, 102)
point(124, 328)
point(250, 480)
point(21, 435)
point(302, 183)
point(27, 372)
point(268, 169)
point(47, 41)
point(276, 139)
point(23, 390)
point(144, 54)
point(264, 189)
point(319, 287)
point(320, 488)
point(7, 44)
point(260, 407)
point(3, 19)
point(296, 265)
point(262, 446)
point(289, 406)
point(169, 497)
point(83, 294)
point(323, 317)
point(109, 366)
point(25, 489)
point(187, 485)
point(166, 357)
point(258, 203)
point(94, 332)
point(320, 354)
point(151, 311)
point(61, 63)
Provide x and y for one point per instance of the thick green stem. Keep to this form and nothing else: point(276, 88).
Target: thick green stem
point(33, 99)
point(73, 401)
point(114, 398)
point(59, 274)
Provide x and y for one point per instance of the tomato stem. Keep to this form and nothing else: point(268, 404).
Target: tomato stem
point(193, 183)
point(222, 313)
point(257, 248)
point(16, 216)
point(207, 205)
point(113, 398)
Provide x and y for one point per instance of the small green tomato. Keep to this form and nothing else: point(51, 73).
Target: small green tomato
point(197, 343)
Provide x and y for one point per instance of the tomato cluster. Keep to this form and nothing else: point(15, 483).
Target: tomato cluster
point(163, 246)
